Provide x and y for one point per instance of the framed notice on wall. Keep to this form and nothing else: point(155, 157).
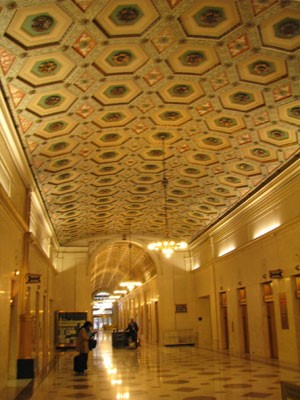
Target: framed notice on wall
point(180, 308)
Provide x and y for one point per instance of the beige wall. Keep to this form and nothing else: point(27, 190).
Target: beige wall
point(248, 266)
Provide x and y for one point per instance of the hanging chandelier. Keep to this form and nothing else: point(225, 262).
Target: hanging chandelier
point(167, 245)
point(130, 284)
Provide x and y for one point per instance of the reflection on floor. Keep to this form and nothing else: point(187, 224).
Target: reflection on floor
point(153, 373)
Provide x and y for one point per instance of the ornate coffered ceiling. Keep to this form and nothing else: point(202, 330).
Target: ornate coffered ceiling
point(94, 85)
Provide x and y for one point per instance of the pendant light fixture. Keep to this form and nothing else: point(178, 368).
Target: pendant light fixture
point(167, 245)
point(130, 284)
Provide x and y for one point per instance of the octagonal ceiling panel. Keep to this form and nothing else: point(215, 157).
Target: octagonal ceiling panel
point(106, 169)
point(233, 181)
point(192, 172)
point(278, 135)
point(180, 91)
point(242, 99)
point(58, 148)
point(61, 164)
point(282, 30)
point(262, 68)
point(172, 117)
point(39, 25)
point(118, 59)
point(108, 156)
point(213, 142)
point(202, 158)
point(56, 127)
point(51, 102)
point(66, 176)
point(107, 119)
point(110, 138)
point(117, 92)
point(122, 17)
point(209, 19)
point(158, 134)
point(290, 112)
point(245, 168)
point(225, 123)
point(49, 68)
point(191, 59)
point(259, 153)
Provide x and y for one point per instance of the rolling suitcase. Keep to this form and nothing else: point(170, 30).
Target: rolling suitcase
point(79, 365)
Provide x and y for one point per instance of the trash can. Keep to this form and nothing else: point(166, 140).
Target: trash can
point(119, 340)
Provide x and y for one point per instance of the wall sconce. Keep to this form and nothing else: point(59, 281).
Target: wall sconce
point(17, 272)
point(297, 267)
point(240, 283)
point(265, 276)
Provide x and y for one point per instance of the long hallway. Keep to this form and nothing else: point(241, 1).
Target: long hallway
point(152, 373)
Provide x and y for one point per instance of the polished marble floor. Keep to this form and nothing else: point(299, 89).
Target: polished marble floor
point(153, 373)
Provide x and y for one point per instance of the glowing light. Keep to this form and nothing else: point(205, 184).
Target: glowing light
point(120, 291)
point(116, 381)
point(130, 284)
point(121, 396)
point(226, 250)
point(167, 247)
point(266, 229)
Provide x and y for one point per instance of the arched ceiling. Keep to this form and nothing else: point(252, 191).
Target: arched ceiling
point(119, 262)
point(93, 85)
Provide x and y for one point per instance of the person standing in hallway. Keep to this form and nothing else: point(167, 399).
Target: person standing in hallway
point(82, 345)
point(132, 331)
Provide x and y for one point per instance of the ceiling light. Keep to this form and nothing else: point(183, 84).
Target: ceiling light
point(167, 246)
point(120, 291)
point(130, 284)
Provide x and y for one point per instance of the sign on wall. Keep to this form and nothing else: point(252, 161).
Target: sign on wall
point(180, 308)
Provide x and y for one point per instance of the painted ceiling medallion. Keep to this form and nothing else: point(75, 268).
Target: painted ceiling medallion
point(262, 68)
point(108, 119)
point(110, 138)
point(116, 59)
point(39, 25)
point(259, 153)
point(51, 102)
point(172, 117)
point(242, 99)
point(210, 20)
point(118, 93)
point(278, 136)
point(212, 142)
point(120, 17)
point(245, 168)
point(58, 148)
point(56, 127)
point(181, 92)
point(282, 30)
point(193, 59)
point(226, 123)
point(49, 68)
point(290, 112)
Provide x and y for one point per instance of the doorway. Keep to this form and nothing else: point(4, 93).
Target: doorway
point(204, 332)
point(243, 313)
point(271, 321)
point(224, 321)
